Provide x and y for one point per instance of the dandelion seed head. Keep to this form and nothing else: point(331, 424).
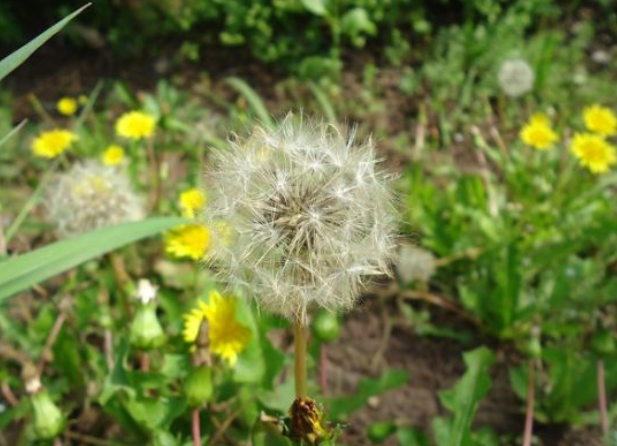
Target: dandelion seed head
point(515, 77)
point(91, 196)
point(415, 263)
point(302, 216)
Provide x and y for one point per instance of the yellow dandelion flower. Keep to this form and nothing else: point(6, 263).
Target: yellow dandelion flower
point(113, 155)
point(66, 106)
point(226, 335)
point(600, 119)
point(135, 125)
point(191, 201)
point(190, 241)
point(52, 143)
point(538, 134)
point(593, 152)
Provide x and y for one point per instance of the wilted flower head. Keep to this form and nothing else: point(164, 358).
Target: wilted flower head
point(91, 196)
point(515, 77)
point(415, 263)
point(311, 216)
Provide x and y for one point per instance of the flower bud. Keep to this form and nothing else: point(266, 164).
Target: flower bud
point(146, 331)
point(326, 326)
point(198, 386)
point(48, 419)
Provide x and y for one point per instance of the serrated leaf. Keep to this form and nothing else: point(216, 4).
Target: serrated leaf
point(464, 397)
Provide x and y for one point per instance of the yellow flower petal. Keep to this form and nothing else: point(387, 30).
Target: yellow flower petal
point(600, 119)
point(593, 152)
point(135, 125)
point(66, 106)
point(538, 133)
point(190, 241)
point(52, 143)
point(192, 201)
point(113, 155)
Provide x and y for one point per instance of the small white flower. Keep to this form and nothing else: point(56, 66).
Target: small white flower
point(2, 407)
point(515, 77)
point(146, 292)
point(91, 196)
point(415, 263)
point(33, 385)
point(300, 216)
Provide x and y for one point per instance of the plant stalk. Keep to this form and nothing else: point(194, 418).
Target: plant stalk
point(300, 344)
point(602, 397)
point(530, 404)
point(323, 364)
point(196, 428)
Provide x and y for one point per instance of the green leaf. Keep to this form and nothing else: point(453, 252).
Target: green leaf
point(15, 59)
point(317, 7)
point(408, 436)
point(253, 99)
point(20, 273)
point(155, 413)
point(464, 397)
point(391, 379)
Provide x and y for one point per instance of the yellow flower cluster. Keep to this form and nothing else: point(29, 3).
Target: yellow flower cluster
point(51, 143)
point(591, 149)
point(227, 336)
point(135, 125)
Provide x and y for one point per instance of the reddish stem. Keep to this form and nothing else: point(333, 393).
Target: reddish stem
point(530, 405)
point(196, 428)
point(144, 362)
point(323, 364)
point(602, 397)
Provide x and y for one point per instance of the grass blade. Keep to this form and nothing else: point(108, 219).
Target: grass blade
point(324, 103)
point(13, 132)
point(18, 57)
point(21, 272)
point(253, 99)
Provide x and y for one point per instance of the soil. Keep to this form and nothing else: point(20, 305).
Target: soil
point(433, 363)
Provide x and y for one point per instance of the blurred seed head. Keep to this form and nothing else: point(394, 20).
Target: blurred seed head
point(91, 196)
point(515, 77)
point(301, 216)
point(415, 264)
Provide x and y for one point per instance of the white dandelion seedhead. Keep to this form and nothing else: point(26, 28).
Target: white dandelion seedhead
point(300, 216)
point(515, 77)
point(415, 263)
point(91, 196)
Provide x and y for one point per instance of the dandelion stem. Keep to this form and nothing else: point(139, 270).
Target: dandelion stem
point(602, 397)
point(323, 364)
point(530, 405)
point(196, 428)
point(300, 343)
point(51, 339)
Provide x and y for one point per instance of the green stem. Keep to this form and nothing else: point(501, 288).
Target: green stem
point(300, 344)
